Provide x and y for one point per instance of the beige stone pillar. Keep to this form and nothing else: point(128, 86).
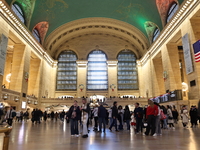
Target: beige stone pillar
point(170, 60)
point(20, 71)
point(193, 29)
point(81, 78)
point(112, 77)
point(34, 77)
point(157, 77)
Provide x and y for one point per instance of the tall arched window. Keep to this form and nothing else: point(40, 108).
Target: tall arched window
point(172, 11)
point(67, 71)
point(127, 71)
point(36, 35)
point(18, 11)
point(97, 75)
point(155, 34)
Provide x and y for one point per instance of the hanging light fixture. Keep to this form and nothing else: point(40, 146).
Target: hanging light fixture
point(16, 99)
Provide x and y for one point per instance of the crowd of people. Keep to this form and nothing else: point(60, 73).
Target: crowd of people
point(152, 118)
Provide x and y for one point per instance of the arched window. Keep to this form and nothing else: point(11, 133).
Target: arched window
point(67, 71)
point(97, 75)
point(18, 11)
point(36, 35)
point(172, 11)
point(127, 71)
point(155, 34)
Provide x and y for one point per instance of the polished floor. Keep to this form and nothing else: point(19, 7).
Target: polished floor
point(56, 136)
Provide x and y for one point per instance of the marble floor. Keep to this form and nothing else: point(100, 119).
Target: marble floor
point(56, 136)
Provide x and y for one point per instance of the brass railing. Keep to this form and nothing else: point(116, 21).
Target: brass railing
point(6, 131)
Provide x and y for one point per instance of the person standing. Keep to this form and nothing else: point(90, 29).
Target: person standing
point(52, 115)
point(185, 117)
point(85, 109)
point(138, 113)
point(170, 117)
point(114, 117)
point(95, 113)
point(102, 113)
point(120, 117)
point(151, 113)
point(175, 115)
point(110, 115)
point(62, 115)
point(10, 115)
point(158, 118)
point(45, 116)
point(26, 116)
point(127, 117)
point(74, 116)
point(193, 116)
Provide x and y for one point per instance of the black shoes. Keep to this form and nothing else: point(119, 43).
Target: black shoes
point(85, 136)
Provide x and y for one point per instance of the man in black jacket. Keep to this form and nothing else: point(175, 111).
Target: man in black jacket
point(138, 114)
point(114, 116)
point(102, 113)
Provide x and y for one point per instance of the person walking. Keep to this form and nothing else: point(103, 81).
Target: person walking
point(74, 116)
point(10, 115)
point(85, 109)
point(151, 113)
point(138, 114)
point(127, 116)
point(114, 117)
point(102, 113)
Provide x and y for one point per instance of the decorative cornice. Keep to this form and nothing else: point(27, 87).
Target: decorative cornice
point(84, 26)
point(21, 29)
point(178, 18)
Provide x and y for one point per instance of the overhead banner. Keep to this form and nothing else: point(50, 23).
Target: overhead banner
point(187, 54)
point(3, 49)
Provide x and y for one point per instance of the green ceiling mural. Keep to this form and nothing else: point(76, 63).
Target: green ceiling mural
point(59, 12)
point(27, 6)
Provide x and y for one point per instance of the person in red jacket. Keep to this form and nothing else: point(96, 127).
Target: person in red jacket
point(151, 113)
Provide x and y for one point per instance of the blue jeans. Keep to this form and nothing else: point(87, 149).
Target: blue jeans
point(102, 121)
point(74, 127)
point(110, 120)
point(114, 123)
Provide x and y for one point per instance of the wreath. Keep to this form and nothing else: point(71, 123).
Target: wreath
point(112, 86)
point(81, 87)
point(26, 76)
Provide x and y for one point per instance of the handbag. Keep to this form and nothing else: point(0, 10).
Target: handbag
point(162, 115)
point(133, 123)
point(170, 118)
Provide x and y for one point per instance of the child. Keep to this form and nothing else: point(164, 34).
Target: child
point(133, 123)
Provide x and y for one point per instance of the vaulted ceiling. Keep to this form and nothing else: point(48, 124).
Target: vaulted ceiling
point(59, 12)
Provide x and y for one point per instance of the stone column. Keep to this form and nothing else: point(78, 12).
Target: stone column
point(81, 78)
point(34, 77)
point(157, 75)
point(112, 77)
point(20, 71)
point(170, 61)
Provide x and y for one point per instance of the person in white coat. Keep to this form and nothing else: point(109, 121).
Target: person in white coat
point(170, 117)
point(185, 116)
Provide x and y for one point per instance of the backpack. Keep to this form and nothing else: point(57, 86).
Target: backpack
point(14, 114)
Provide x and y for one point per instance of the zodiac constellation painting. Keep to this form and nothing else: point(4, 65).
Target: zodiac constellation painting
point(131, 10)
point(49, 5)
